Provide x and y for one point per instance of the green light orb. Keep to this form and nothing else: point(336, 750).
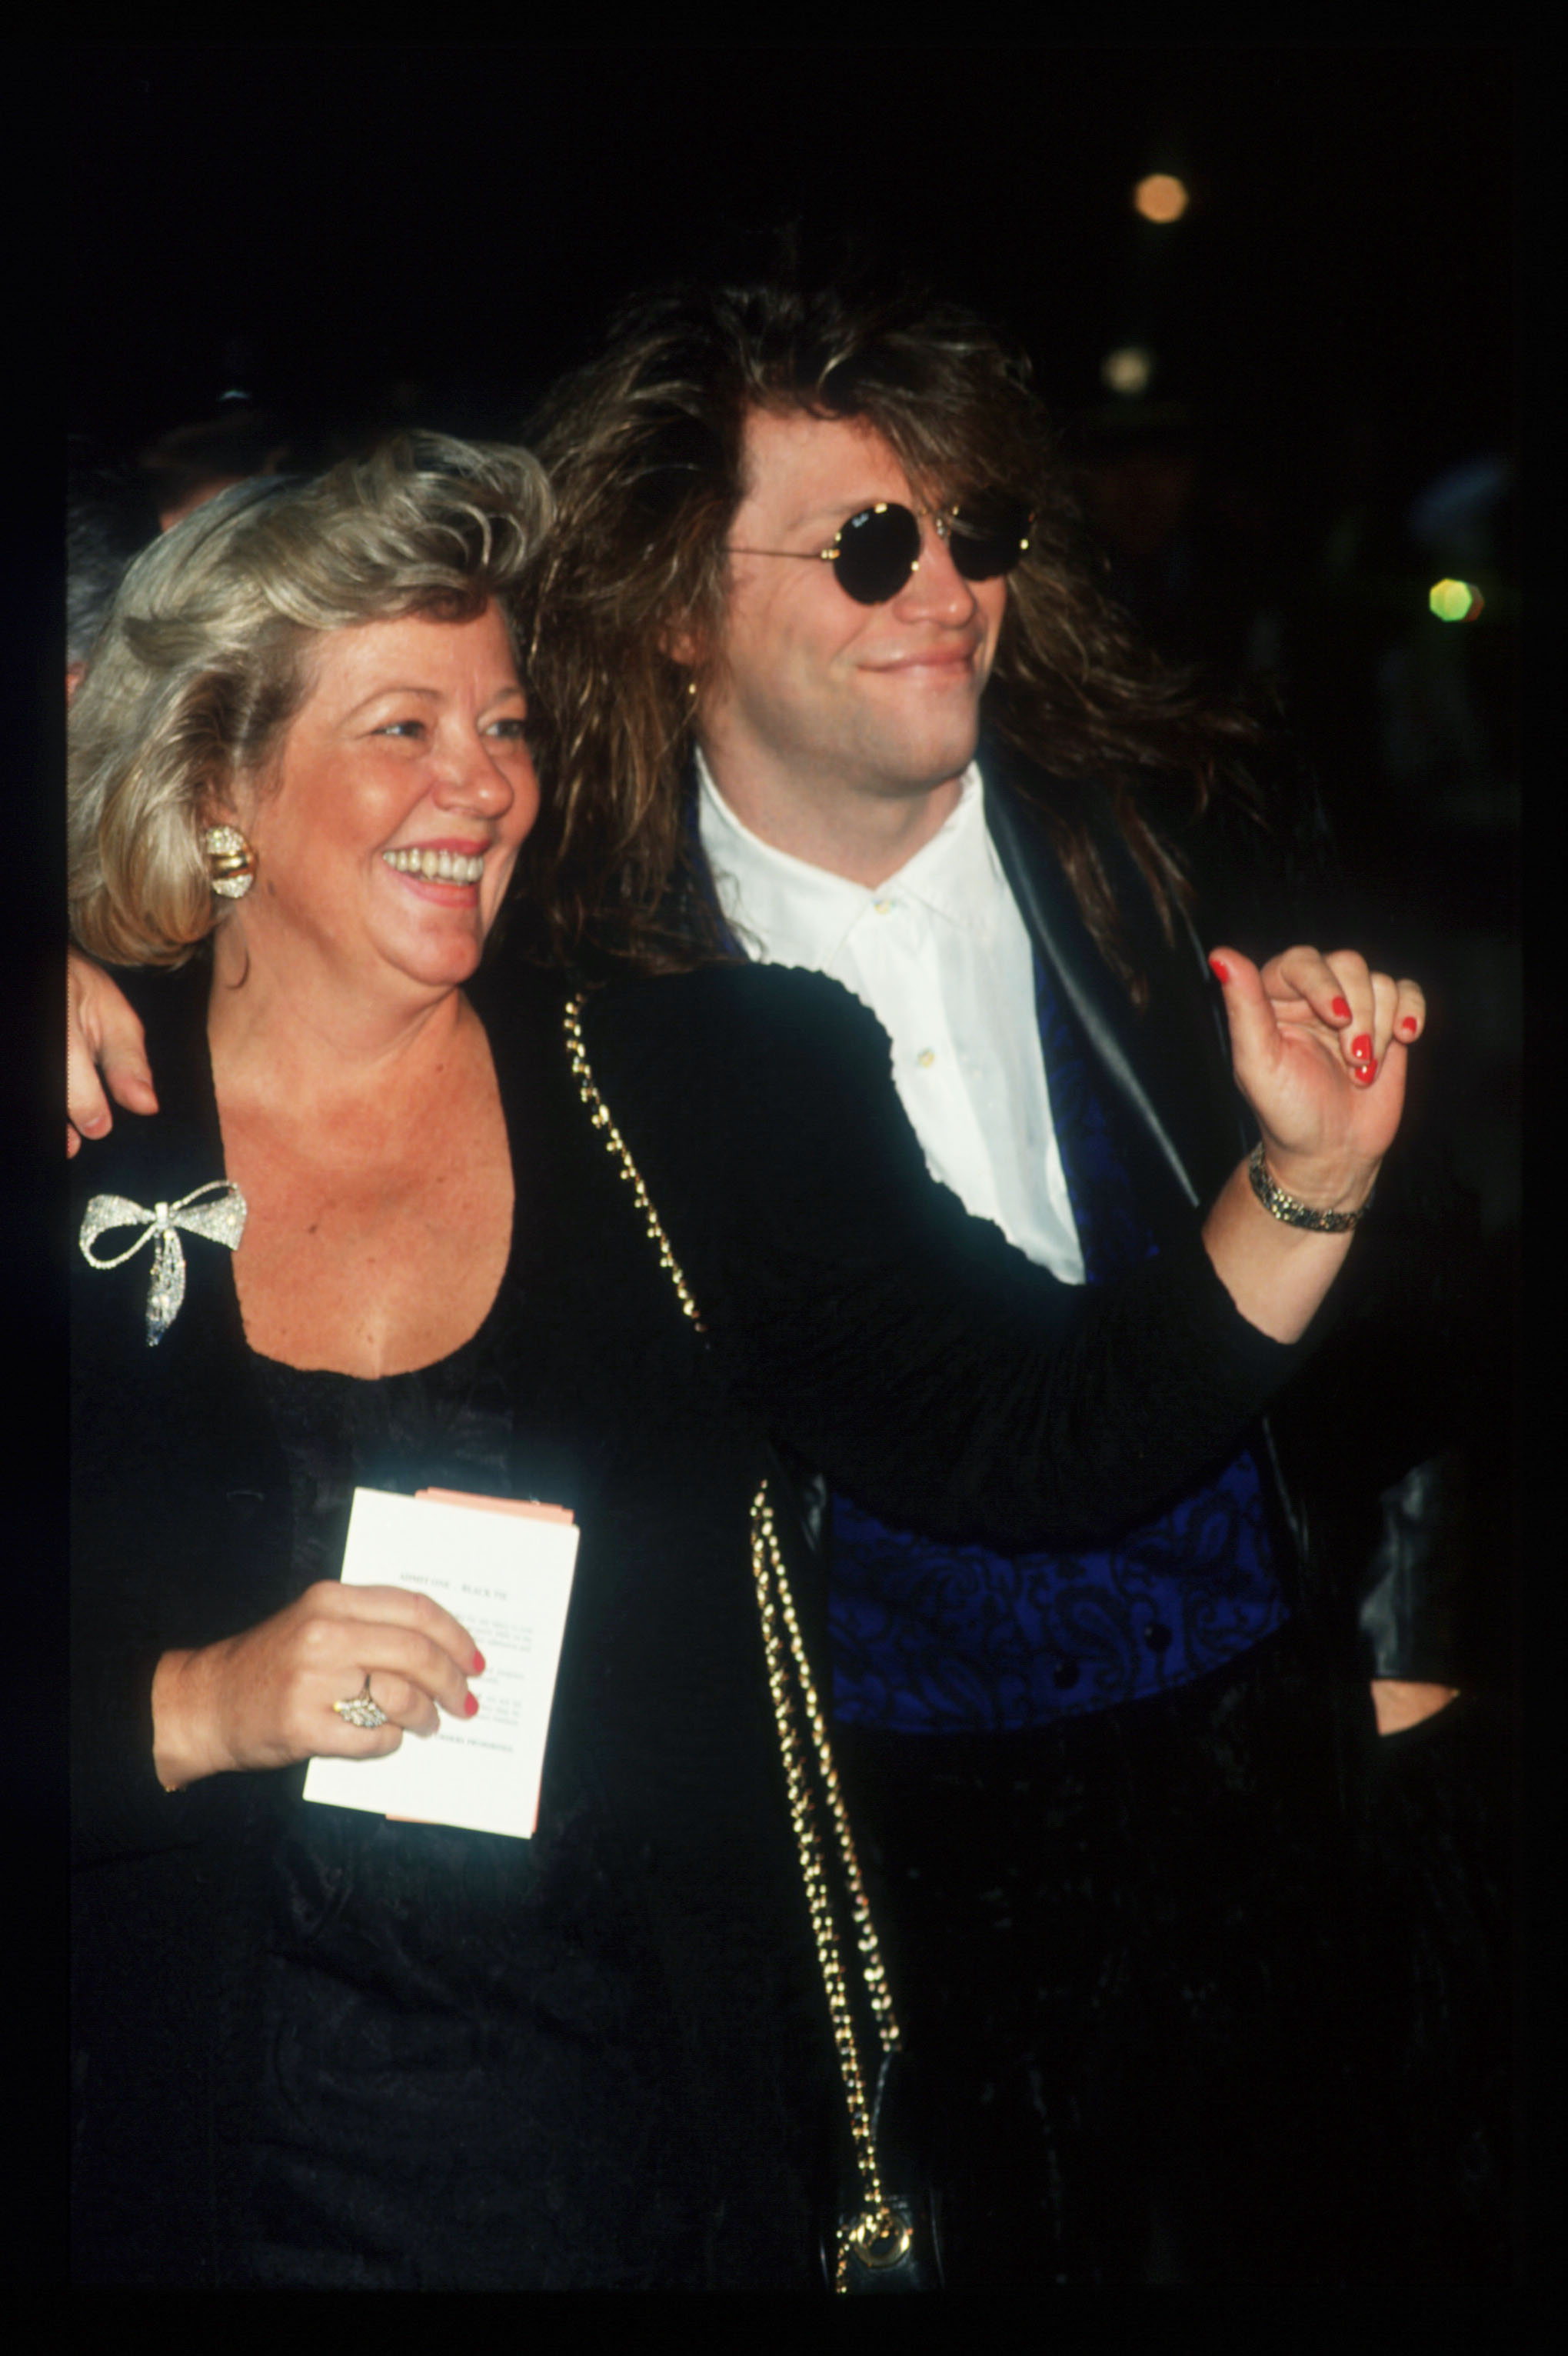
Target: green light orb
point(1454, 601)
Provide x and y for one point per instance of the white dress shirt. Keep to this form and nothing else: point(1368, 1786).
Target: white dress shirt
point(940, 954)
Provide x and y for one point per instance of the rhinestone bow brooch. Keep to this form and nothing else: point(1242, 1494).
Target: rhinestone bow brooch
point(222, 1220)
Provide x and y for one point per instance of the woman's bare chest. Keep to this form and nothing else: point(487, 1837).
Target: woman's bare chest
point(372, 1257)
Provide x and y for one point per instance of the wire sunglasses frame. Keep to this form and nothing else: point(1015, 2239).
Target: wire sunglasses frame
point(875, 553)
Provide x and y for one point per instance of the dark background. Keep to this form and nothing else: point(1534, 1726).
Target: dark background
point(322, 222)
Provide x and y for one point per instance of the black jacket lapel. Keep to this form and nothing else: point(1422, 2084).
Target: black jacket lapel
point(1165, 1067)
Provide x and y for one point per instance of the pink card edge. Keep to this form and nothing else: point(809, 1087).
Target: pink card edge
point(531, 1510)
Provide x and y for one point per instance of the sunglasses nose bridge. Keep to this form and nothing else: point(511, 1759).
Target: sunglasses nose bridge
point(935, 576)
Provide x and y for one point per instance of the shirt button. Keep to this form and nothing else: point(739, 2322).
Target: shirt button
point(926, 1057)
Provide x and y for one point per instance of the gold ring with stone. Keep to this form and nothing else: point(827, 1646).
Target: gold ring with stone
point(361, 1711)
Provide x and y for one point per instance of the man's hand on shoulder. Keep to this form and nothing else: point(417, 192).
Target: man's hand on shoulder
point(102, 1035)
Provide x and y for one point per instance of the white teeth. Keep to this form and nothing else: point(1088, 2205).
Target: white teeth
point(438, 866)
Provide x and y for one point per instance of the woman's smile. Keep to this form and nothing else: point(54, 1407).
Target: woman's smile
point(434, 863)
point(404, 792)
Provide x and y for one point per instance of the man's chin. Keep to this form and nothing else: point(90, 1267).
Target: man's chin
point(941, 760)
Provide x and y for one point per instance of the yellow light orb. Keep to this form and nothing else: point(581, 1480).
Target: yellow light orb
point(1129, 370)
point(1160, 198)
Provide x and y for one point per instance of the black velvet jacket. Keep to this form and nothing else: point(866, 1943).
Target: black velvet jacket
point(658, 2070)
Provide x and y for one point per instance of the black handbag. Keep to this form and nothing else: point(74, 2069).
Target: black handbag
point(905, 2254)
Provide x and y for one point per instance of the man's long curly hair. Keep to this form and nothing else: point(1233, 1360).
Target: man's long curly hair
point(646, 448)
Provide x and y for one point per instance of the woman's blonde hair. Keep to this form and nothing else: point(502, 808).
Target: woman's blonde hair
point(203, 659)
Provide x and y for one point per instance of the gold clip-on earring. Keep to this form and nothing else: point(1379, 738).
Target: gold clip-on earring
point(230, 861)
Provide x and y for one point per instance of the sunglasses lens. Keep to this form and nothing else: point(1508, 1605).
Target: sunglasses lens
point(989, 537)
point(876, 552)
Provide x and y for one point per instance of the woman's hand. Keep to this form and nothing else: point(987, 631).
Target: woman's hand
point(100, 1032)
point(1319, 1047)
point(265, 1699)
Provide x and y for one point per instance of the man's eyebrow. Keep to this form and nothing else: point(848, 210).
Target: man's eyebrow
point(837, 512)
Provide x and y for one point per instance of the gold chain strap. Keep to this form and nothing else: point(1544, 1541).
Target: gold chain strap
point(877, 2234)
point(599, 1113)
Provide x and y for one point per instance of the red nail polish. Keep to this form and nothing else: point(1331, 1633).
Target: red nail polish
point(1408, 1023)
point(1341, 1008)
point(478, 1668)
point(470, 1704)
point(1366, 1074)
point(1223, 969)
point(1362, 1048)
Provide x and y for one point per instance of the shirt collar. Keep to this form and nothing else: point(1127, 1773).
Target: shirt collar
point(802, 915)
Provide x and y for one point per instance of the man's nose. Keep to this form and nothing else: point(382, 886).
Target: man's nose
point(936, 587)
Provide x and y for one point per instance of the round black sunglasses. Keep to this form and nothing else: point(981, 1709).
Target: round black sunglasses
point(875, 553)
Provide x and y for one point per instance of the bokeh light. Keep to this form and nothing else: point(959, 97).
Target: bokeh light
point(1160, 198)
point(1128, 369)
point(1456, 601)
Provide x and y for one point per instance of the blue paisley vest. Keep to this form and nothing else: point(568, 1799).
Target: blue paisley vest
point(928, 1638)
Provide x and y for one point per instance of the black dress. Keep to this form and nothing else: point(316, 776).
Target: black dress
point(318, 2050)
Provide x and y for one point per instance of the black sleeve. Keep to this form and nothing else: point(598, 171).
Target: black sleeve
point(901, 1346)
point(173, 1547)
point(181, 1526)
point(118, 1807)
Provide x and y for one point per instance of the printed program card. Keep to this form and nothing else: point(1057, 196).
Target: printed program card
point(504, 1569)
